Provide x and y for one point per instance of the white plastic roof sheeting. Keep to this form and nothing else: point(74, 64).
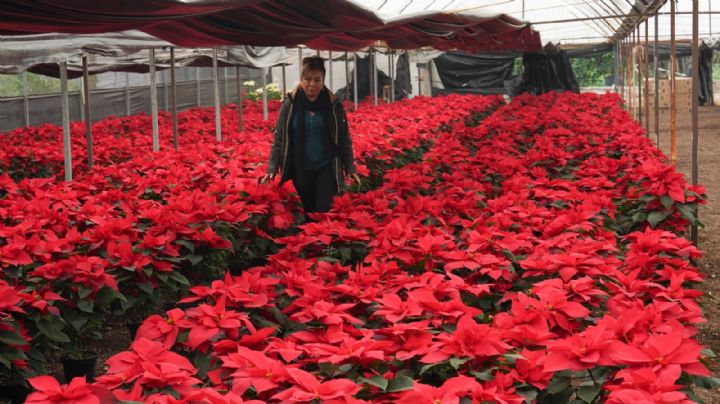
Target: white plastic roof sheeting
point(585, 30)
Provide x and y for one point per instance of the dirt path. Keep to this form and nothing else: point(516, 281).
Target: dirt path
point(709, 177)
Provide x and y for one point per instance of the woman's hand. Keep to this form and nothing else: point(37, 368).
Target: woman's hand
point(266, 178)
point(355, 178)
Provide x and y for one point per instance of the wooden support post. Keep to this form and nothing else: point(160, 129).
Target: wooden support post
point(673, 111)
point(86, 108)
point(65, 107)
point(216, 97)
point(694, 112)
point(657, 84)
point(646, 87)
point(239, 99)
point(26, 99)
point(154, 104)
point(173, 98)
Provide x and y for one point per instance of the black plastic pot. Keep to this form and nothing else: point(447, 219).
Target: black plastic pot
point(73, 367)
point(132, 327)
point(16, 393)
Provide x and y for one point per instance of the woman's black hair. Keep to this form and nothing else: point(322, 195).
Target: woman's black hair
point(315, 63)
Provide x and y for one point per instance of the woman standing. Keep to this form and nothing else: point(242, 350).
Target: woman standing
point(312, 145)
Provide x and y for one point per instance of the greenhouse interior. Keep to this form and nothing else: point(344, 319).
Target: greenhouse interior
point(456, 201)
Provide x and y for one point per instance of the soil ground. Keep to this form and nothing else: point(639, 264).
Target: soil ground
point(709, 177)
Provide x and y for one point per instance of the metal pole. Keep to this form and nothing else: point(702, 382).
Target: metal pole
point(65, 106)
point(127, 94)
point(355, 79)
point(264, 93)
point(165, 90)
point(299, 64)
point(239, 97)
point(26, 100)
point(330, 66)
point(646, 89)
point(347, 77)
point(86, 108)
point(154, 103)
point(373, 76)
point(216, 97)
point(225, 85)
point(657, 85)
point(81, 99)
point(419, 80)
point(391, 62)
point(284, 86)
point(197, 86)
point(673, 117)
point(694, 112)
point(638, 58)
point(173, 96)
point(710, 18)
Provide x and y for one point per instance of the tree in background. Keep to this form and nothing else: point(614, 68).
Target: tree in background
point(11, 85)
point(591, 72)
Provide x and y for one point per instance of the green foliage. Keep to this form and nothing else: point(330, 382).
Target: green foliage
point(591, 72)
point(12, 85)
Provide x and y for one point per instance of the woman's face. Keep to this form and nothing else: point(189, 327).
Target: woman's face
point(312, 83)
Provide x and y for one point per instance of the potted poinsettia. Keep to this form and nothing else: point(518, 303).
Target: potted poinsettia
point(88, 293)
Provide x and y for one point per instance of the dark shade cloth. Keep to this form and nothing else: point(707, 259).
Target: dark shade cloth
point(403, 80)
point(403, 86)
point(484, 73)
point(705, 95)
point(545, 72)
point(329, 25)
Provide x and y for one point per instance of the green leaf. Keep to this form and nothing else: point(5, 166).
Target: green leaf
point(654, 218)
point(706, 382)
point(194, 259)
point(86, 306)
point(429, 366)
point(687, 211)
point(84, 291)
point(52, 329)
point(377, 381)
point(457, 362)
point(484, 376)
point(589, 393)
point(707, 352)
point(202, 362)
point(11, 338)
point(560, 382)
point(105, 296)
point(146, 287)
point(179, 278)
point(667, 201)
point(400, 383)
point(530, 395)
point(6, 362)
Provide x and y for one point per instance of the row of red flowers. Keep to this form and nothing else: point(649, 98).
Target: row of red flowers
point(140, 228)
point(537, 257)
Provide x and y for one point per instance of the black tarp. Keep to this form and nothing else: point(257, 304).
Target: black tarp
point(705, 76)
point(403, 80)
point(544, 72)
point(403, 86)
point(461, 72)
point(329, 25)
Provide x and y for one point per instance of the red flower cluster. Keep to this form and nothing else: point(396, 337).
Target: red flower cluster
point(534, 255)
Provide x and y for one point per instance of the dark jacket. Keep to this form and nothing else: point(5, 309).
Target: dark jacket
point(341, 150)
